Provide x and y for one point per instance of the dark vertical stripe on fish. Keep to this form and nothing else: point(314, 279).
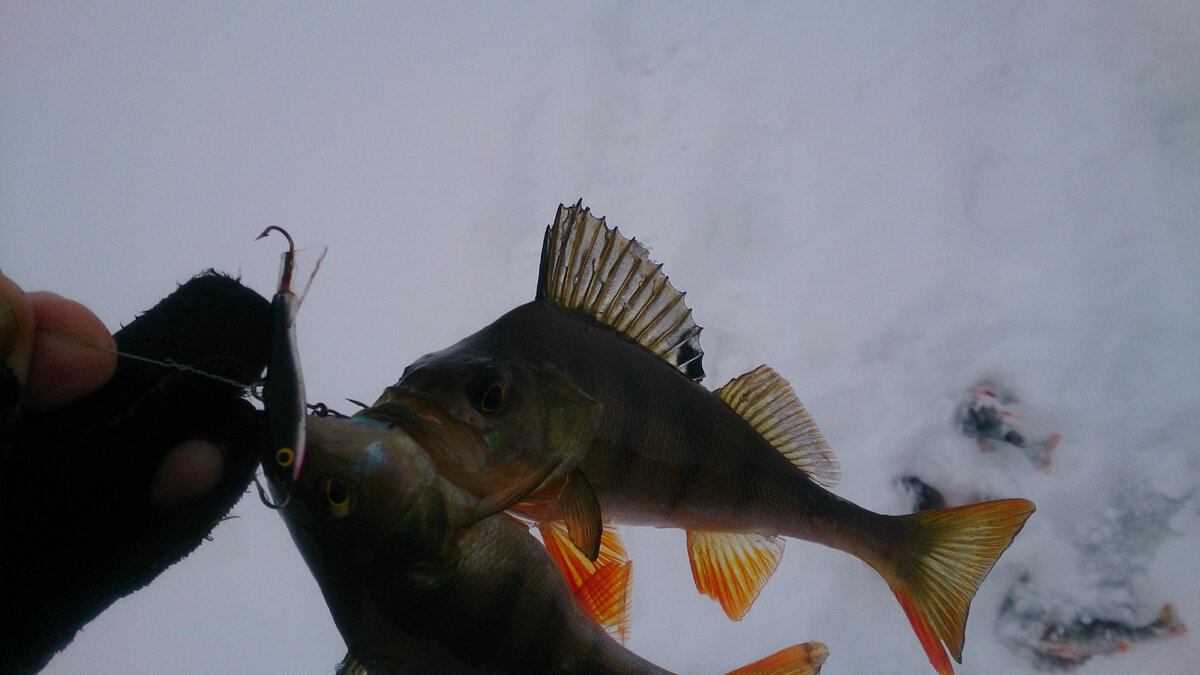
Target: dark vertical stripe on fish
point(690, 472)
point(505, 599)
point(746, 489)
point(621, 465)
point(550, 631)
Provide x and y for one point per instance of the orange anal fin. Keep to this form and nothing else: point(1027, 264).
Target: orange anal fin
point(581, 510)
point(601, 586)
point(805, 659)
point(949, 553)
point(731, 568)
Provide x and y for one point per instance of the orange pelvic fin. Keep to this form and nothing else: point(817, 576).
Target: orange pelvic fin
point(805, 659)
point(581, 510)
point(601, 586)
point(732, 568)
point(950, 551)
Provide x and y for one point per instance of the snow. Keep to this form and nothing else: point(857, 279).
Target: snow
point(887, 204)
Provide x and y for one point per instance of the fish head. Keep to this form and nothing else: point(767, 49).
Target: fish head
point(367, 497)
point(490, 416)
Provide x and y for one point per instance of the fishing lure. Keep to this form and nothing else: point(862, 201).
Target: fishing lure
point(283, 392)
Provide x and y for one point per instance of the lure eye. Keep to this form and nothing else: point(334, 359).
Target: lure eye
point(337, 497)
point(489, 390)
point(284, 457)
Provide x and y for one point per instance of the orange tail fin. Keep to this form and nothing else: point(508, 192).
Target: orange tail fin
point(805, 659)
point(950, 552)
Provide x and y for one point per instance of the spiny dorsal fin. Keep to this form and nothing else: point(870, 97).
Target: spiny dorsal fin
point(767, 402)
point(351, 666)
point(731, 567)
point(591, 269)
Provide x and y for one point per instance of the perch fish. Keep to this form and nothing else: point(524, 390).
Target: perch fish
point(413, 589)
point(586, 405)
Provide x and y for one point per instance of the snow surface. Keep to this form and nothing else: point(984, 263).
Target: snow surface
point(886, 204)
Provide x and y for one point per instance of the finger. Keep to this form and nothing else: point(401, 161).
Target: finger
point(65, 366)
point(189, 471)
point(16, 328)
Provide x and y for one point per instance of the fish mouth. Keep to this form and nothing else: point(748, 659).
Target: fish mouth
point(450, 442)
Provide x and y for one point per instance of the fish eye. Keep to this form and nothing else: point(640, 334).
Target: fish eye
point(336, 495)
point(489, 390)
point(493, 398)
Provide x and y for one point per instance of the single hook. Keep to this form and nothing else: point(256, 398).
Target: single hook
point(289, 258)
point(280, 230)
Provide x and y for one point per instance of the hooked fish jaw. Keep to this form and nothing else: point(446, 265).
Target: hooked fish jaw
point(367, 486)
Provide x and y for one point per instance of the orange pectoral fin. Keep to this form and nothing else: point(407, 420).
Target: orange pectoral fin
point(731, 568)
point(805, 659)
point(602, 586)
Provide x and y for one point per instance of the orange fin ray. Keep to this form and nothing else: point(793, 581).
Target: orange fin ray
point(732, 568)
point(803, 659)
point(950, 551)
point(764, 399)
point(607, 597)
point(601, 586)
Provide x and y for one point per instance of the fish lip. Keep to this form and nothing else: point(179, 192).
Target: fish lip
point(443, 435)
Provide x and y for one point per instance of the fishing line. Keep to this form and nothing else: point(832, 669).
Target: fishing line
point(166, 363)
point(318, 409)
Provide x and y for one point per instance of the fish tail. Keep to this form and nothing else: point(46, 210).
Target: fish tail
point(948, 553)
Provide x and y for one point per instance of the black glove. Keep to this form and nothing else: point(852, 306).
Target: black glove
point(77, 530)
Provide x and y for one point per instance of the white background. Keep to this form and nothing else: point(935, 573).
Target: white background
point(884, 204)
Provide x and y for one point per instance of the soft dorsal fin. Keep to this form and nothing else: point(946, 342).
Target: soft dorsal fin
point(601, 586)
point(731, 567)
point(767, 402)
point(591, 269)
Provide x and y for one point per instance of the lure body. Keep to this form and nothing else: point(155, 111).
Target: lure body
point(283, 392)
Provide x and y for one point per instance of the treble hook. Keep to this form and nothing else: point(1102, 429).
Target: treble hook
point(262, 495)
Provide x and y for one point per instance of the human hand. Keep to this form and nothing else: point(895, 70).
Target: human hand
point(60, 351)
point(111, 475)
point(53, 371)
